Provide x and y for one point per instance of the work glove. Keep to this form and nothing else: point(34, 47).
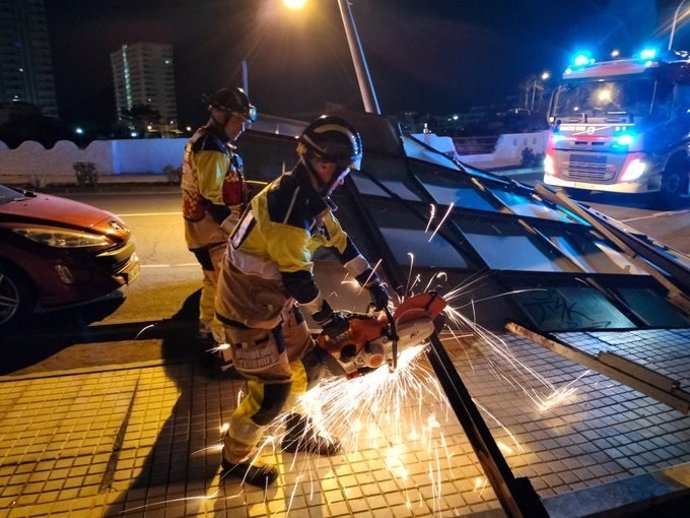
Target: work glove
point(377, 290)
point(379, 295)
point(332, 322)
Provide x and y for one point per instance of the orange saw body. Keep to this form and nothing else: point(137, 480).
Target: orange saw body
point(377, 338)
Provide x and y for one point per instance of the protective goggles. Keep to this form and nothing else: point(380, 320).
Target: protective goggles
point(248, 114)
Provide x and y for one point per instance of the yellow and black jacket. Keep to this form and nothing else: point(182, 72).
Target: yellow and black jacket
point(212, 187)
point(276, 238)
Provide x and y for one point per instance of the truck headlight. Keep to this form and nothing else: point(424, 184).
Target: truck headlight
point(548, 166)
point(634, 170)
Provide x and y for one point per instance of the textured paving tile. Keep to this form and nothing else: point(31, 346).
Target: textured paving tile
point(145, 441)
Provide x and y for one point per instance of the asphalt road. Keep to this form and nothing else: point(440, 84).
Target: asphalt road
point(154, 318)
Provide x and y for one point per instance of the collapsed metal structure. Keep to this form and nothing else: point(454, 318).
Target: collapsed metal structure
point(517, 259)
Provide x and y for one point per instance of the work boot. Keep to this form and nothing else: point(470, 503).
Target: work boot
point(302, 435)
point(254, 473)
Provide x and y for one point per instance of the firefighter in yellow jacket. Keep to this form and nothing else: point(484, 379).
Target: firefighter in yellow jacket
point(214, 193)
point(266, 280)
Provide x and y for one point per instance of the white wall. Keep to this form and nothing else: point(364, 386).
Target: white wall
point(507, 153)
point(31, 162)
point(146, 156)
point(508, 150)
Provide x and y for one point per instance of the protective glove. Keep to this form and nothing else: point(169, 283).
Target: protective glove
point(379, 295)
point(332, 322)
point(371, 281)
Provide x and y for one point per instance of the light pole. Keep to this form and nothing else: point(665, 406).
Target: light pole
point(673, 25)
point(544, 76)
point(366, 87)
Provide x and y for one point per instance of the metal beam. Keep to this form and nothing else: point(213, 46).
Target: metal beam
point(617, 368)
point(517, 496)
point(644, 258)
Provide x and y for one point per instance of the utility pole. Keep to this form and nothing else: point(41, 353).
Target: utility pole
point(366, 87)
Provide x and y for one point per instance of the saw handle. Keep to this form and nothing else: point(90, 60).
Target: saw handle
point(394, 337)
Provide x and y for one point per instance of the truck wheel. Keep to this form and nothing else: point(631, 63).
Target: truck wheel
point(16, 296)
point(674, 183)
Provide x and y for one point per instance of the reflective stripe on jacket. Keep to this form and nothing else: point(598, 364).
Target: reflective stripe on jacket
point(212, 187)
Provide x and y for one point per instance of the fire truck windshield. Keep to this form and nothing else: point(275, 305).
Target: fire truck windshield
point(579, 100)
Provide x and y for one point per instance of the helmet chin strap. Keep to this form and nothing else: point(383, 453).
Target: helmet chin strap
point(321, 187)
point(220, 124)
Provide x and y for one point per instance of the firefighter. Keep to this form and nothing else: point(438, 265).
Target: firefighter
point(266, 281)
point(214, 194)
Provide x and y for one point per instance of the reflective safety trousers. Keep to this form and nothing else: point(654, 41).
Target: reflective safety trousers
point(276, 362)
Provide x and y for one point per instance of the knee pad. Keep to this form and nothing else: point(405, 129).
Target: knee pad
point(273, 401)
point(204, 258)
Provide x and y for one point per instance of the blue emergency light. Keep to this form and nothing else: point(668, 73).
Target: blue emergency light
point(582, 59)
point(624, 138)
point(648, 53)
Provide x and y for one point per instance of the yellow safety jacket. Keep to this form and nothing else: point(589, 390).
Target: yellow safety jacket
point(212, 185)
point(277, 236)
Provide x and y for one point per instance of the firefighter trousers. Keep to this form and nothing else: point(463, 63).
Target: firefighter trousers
point(272, 362)
point(210, 259)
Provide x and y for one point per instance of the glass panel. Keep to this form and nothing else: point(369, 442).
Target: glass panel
point(438, 253)
point(391, 172)
point(465, 197)
point(592, 256)
point(561, 308)
point(524, 205)
point(448, 187)
point(503, 252)
point(620, 259)
point(653, 308)
point(415, 149)
point(367, 186)
point(509, 247)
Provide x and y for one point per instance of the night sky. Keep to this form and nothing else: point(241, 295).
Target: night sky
point(428, 56)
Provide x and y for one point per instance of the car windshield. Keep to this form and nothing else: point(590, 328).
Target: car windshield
point(8, 194)
point(602, 97)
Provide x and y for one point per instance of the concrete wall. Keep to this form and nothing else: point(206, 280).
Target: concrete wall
point(32, 163)
point(114, 159)
point(508, 150)
point(507, 153)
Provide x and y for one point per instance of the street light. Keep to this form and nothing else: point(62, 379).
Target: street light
point(544, 76)
point(366, 87)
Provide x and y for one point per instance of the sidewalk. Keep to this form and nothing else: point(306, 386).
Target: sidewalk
point(70, 181)
point(144, 440)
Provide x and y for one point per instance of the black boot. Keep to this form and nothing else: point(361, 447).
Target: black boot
point(260, 475)
point(302, 435)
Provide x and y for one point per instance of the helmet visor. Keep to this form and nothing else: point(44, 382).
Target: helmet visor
point(341, 156)
point(250, 113)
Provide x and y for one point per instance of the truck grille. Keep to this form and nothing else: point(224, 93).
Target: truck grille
point(589, 167)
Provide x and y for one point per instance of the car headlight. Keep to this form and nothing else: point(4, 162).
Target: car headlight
point(60, 238)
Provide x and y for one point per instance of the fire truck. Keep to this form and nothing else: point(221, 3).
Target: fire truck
point(623, 126)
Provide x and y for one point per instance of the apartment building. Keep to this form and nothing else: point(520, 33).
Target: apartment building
point(26, 67)
point(143, 74)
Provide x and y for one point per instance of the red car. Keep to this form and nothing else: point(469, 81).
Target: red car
point(56, 252)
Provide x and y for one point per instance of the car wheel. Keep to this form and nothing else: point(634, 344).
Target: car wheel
point(674, 184)
point(16, 296)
